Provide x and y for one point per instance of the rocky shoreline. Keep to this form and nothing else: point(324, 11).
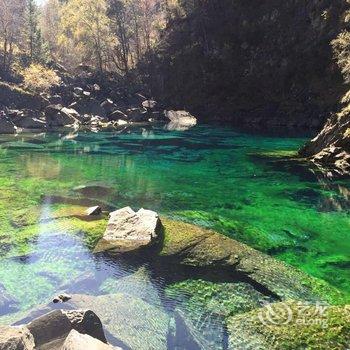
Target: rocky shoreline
point(257, 285)
point(85, 107)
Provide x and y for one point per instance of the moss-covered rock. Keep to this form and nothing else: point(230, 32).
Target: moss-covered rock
point(191, 245)
point(291, 326)
point(223, 299)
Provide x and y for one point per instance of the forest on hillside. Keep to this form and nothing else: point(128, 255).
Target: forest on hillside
point(217, 58)
point(108, 35)
point(255, 64)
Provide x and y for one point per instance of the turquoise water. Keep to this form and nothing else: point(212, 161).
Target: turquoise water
point(247, 187)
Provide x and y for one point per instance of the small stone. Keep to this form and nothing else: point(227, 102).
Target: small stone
point(78, 91)
point(97, 210)
point(61, 298)
point(149, 104)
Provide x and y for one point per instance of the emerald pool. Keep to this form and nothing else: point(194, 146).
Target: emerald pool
point(247, 187)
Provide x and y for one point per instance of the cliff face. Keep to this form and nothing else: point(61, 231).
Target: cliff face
point(267, 62)
point(330, 149)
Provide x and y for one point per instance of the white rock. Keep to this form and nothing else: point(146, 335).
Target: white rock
point(129, 230)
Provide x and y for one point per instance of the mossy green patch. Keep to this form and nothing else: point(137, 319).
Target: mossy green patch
point(222, 299)
point(291, 326)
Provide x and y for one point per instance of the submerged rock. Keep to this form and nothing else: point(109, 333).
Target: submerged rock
point(137, 284)
point(128, 230)
point(94, 190)
point(128, 319)
point(7, 302)
point(187, 335)
point(194, 246)
point(292, 326)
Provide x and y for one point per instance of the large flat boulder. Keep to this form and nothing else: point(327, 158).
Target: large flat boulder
point(128, 230)
point(191, 245)
point(16, 338)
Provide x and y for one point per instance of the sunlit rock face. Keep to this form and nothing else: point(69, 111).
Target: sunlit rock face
point(330, 149)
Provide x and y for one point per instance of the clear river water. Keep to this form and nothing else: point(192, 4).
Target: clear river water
point(247, 187)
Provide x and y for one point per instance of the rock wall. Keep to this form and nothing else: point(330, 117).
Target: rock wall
point(251, 62)
point(330, 149)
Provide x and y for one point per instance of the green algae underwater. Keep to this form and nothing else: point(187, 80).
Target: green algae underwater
point(248, 187)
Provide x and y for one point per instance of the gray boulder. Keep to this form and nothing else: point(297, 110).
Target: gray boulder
point(108, 106)
point(118, 115)
point(78, 341)
point(137, 114)
point(128, 230)
point(31, 123)
point(50, 330)
point(50, 327)
point(86, 322)
point(58, 116)
point(16, 338)
point(6, 126)
point(90, 106)
point(71, 112)
point(28, 119)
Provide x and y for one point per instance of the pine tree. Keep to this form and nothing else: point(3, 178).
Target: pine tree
point(37, 51)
